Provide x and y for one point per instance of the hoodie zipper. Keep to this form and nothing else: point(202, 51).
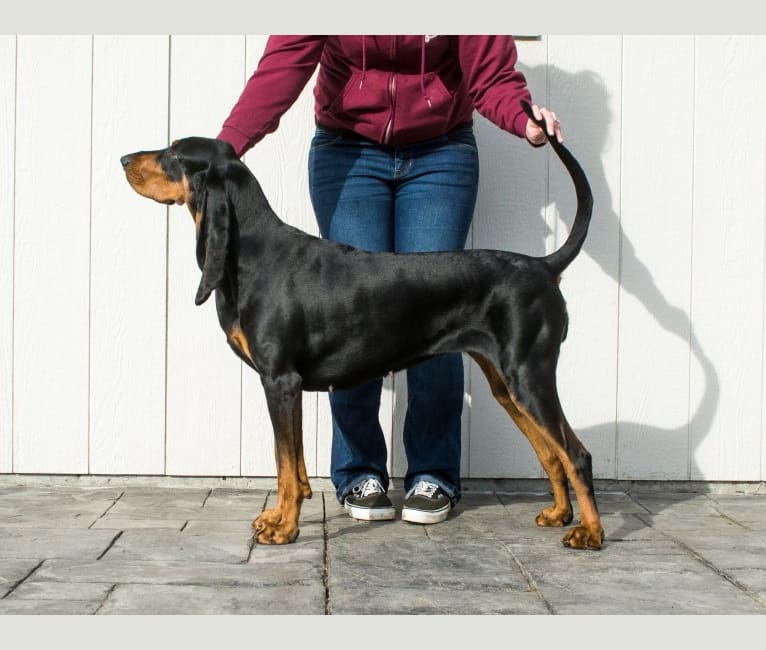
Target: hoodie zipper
point(391, 94)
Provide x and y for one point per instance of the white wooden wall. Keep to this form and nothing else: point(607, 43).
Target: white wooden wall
point(107, 367)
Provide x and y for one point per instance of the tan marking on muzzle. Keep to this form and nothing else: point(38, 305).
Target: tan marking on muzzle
point(146, 177)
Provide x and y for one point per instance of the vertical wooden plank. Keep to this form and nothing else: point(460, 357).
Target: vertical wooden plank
point(510, 215)
point(395, 390)
point(656, 219)
point(128, 269)
point(727, 266)
point(585, 87)
point(52, 208)
point(204, 376)
point(324, 436)
point(257, 453)
point(279, 162)
point(393, 411)
point(7, 182)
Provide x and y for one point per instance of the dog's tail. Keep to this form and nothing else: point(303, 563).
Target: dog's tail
point(560, 259)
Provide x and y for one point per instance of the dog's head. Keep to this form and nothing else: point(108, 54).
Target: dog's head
point(195, 172)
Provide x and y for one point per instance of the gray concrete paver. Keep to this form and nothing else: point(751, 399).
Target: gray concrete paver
point(683, 503)
point(158, 503)
point(693, 524)
point(33, 493)
point(22, 542)
point(159, 549)
point(650, 577)
point(298, 566)
point(35, 589)
point(49, 607)
point(111, 522)
point(743, 549)
point(199, 599)
point(431, 600)
point(425, 564)
point(456, 567)
point(242, 526)
point(754, 580)
point(49, 508)
point(161, 544)
point(747, 510)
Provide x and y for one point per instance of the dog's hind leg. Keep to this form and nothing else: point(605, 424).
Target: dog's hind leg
point(532, 401)
point(560, 513)
point(280, 525)
point(533, 391)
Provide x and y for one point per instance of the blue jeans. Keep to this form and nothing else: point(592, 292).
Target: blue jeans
point(418, 197)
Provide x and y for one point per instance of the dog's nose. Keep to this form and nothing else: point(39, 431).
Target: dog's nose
point(125, 160)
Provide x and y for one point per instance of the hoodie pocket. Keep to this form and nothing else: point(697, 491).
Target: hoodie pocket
point(364, 103)
point(423, 108)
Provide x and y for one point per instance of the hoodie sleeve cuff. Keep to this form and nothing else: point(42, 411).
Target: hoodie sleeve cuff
point(520, 124)
point(239, 141)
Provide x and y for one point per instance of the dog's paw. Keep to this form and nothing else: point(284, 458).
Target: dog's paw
point(581, 537)
point(271, 529)
point(553, 516)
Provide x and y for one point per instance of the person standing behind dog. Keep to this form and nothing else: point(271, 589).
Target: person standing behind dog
point(393, 166)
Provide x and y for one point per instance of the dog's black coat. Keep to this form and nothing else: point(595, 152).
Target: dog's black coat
point(310, 314)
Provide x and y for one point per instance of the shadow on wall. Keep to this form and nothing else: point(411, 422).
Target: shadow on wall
point(591, 134)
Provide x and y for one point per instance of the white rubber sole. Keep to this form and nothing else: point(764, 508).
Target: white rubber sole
point(370, 514)
point(425, 516)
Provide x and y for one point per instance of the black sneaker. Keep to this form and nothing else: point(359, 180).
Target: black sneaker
point(368, 501)
point(426, 503)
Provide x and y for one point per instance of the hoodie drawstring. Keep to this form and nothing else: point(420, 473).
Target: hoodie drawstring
point(364, 59)
point(422, 67)
point(423, 71)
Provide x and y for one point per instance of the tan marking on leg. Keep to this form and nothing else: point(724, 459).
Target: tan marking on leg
point(280, 525)
point(560, 513)
point(589, 534)
point(303, 478)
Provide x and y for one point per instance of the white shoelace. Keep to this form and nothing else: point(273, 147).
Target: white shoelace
point(425, 489)
point(370, 486)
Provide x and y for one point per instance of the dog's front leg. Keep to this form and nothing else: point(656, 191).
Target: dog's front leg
point(280, 525)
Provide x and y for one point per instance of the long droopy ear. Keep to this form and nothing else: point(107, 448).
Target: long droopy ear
point(214, 232)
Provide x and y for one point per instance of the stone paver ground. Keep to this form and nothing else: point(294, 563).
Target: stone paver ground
point(136, 549)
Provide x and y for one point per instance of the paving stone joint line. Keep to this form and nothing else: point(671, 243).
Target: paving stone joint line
point(24, 579)
point(325, 558)
point(112, 543)
point(103, 514)
point(106, 597)
point(533, 586)
point(705, 562)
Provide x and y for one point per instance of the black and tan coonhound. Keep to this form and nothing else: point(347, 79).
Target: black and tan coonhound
point(310, 314)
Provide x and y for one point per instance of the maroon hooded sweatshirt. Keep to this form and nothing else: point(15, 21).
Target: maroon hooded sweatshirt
point(390, 89)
